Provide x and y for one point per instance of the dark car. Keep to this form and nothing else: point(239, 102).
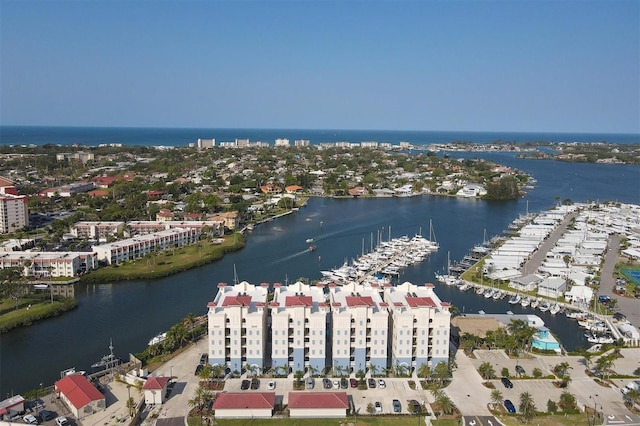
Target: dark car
point(519, 369)
point(353, 382)
point(396, 406)
point(245, 384)
point(344, 383)
point(509, 406)
point(372, 383)
point(255, 383)
point(46, 415)
point(415, 407)
point(326, 383)
point(204, 358)
point(507, 383)
point(198, 369)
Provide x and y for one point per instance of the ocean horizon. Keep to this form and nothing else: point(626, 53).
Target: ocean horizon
point(183, 136)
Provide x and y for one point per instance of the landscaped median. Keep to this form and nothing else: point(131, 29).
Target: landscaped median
point(166, 263)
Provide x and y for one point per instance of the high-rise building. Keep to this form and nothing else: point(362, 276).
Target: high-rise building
point(420, 324)
point(299, 316)
point(360, 327)
point(237, 326)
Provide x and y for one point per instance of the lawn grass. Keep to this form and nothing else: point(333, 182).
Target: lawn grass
point(166, 263)
point(549, 420)
point(31, 309)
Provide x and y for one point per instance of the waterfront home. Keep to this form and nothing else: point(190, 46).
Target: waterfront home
point(579, 295)
point(471, 190)
point(552, 287)
point(526, 282)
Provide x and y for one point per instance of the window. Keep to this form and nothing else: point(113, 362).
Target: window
point(437, 332)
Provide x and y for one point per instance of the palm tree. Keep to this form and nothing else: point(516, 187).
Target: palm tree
point(424, 371)
point(527, 407)
point(486, 371)
point(441, 371)
point(496, 397)
point(374, 369)
point(189, 321)
point(633, 395)
point(561, 369)
point(445, 403)
point(604, 364)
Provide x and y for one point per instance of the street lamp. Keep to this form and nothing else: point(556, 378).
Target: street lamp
point(595, 408)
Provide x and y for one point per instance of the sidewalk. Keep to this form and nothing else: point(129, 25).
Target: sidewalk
point(466, 389)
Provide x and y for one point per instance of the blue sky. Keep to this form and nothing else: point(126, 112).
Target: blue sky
point(556, 66)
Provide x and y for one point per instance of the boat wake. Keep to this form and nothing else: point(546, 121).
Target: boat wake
point(292, 256)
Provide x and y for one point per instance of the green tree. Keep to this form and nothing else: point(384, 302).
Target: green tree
point(486, 371)
point(567, 401)
point(537, 373)
point(12, 284)
point(445, 403)
point(505, 372)
point(527, 407)
point(496, 397)
point(442, 372)
point(552, 407)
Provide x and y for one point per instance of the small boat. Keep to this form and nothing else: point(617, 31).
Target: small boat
point(525, 301)
point(554, 309)
point(498, 294)
point(515, 299)
point(107, 361)
point(479, 290)
point(544, 306)
point(159, 338)
point(312, 248)
point(488, 294)
point(309, 240)
point(534, 303)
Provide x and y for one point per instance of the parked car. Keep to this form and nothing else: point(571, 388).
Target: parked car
point(509, 406)
point(378, 407)
point(30, 419)
point(62, 421)
point(336, 384)
point(255, 383)
point(397, 407)
point(353, 382)
point(520, 369)
point(204, 358)
point(271, 385)
point(310, 383)
point(199, 368)
point(507, 383)
point(326, 383)
point(46, 415)
point(245, 384)
point(382, 384)
point(372, 383)
point(344, 383)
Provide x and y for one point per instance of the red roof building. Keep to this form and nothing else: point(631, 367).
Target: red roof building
point(244, 405)
point(79, 395)
point(318, 404)
point(155, 390)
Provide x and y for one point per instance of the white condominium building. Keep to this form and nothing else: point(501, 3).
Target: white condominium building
point(420, 324)
point(360, 326)
point(299, 315)
point(237, 326)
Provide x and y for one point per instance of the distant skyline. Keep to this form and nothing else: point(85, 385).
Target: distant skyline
point(543, 66)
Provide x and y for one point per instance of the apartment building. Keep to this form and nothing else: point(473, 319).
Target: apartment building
point(14, 212)
point(49, 264)
point(360, 327)
point(237, 319)
point(96, 230)
point(299, 323)
point(140, 246)
point(420, 325)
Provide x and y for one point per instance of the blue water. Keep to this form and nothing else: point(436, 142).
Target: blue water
point(131, 313)
point(22, 135)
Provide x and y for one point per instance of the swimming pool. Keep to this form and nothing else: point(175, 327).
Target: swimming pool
point(633, 275)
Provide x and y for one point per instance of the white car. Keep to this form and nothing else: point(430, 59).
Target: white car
point(381, 384)
point(271, 385)
point(378, 407)
point(30, 419)
point(62, 421)
point(336, 384)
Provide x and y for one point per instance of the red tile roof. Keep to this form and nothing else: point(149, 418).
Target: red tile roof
point(330, 400)
point(359, 301)
point(78, 390)
point(155, 383)
point(416, 302)
point(237, 301)
point(298, 301)
point(243, 401)
point(6, 182)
